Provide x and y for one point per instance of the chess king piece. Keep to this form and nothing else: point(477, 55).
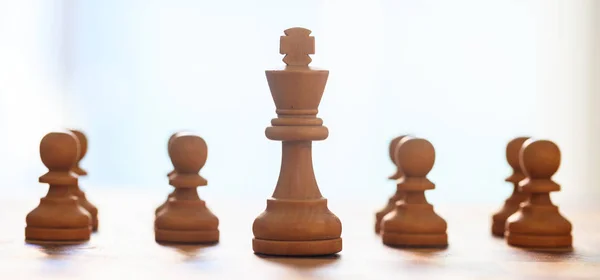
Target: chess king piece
point(512, 204)
point(398, 195)
point(186, 219)
point(159, 208)
point(414, 223)
point(539, 224)
point(75, 189)
point(59, 218)
point(297, 221)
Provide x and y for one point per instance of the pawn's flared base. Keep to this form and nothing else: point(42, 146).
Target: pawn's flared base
point(498, 228)
point(415, 240)
point(297, 248)
point(94, 224)
point(46, 236)
point(186, 236)
point(539, 241)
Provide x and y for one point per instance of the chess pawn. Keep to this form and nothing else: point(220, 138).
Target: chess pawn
point(59, 218)
point(539, 224)
point(297, 221)
point(398, 195)
point(392, 153)
point(414, 223)
point(159, 208)
point(75, 189)
point(512, 204)
point(186, 219)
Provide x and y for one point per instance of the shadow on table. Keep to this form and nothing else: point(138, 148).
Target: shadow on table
point(302, 263)
point(548, 255)
point(58, 251)
point(189, 252)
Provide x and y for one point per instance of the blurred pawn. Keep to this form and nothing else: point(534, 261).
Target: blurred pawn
point(513, 203)
point(539, 224)
point(159, 208)
point(398, 195)
point(414, 223)
point(185, 218)
point(59, 218)
point(76, 190)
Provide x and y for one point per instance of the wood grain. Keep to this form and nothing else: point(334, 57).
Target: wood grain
point(125, 247)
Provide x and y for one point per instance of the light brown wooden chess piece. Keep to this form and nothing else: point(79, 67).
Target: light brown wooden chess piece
point(186, 219)
point(414, 223)
point(59, 218)
point(297, 221)
point(159, 208)
point(398, 195)
point(513, 203)
point(539, 224)
point(75, 189)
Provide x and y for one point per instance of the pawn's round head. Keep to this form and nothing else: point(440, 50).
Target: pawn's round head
point(539, 159)
point(512, 152)
point(188, 152)
point(415, 157)
point(83, 143)
point(173, 136)
point(393, 145)
point(59, 151)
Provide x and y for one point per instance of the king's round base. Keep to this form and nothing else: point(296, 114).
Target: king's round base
point(186, 236)
point(415, 240)
point(539, 241)
point(297, 248)
point(35, 235)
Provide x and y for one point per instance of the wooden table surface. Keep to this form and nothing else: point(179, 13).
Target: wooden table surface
point(124, 248)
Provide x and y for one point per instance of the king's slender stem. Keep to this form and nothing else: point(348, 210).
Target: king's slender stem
point(297, 177)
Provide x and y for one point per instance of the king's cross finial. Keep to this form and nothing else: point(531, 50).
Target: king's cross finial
point(297, 45)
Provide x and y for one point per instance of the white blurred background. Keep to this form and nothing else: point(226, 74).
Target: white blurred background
point(468, 75)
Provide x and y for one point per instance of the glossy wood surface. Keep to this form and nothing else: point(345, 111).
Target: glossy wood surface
point(124, 248)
